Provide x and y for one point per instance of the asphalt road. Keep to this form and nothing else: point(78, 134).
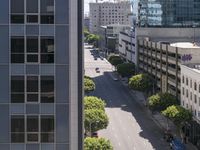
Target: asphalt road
point(130, 128)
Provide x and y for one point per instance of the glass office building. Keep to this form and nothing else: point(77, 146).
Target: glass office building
point(41, 75)
point(167, 13)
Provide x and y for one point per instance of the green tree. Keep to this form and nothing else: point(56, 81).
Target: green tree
point(95, 119)
point(126, 69)
point(167, 100)
point(89, 84)
point(115, 60)
point(140, 82)
point(154, 102)
point(97, 144)
point(93, 39)
point(178, 115)
point(86, 33)
point(161, 101)
point(92, 102)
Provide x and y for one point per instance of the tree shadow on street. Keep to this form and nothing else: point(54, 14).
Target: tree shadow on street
point(117, 95)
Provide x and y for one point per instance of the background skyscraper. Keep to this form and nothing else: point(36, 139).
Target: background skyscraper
point(167, 13)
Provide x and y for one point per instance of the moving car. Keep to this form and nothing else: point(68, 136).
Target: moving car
point(97, 70)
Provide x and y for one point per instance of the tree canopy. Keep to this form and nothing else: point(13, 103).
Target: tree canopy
point(126, 69)
point(92, 102)
point(89, 84)
point(93, 39)
point(115, 60)
point(95, 119)
point(97, 144)
point(161, 101)
point(140, 82)
point(177, 114)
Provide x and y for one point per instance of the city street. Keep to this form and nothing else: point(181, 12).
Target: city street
point(130, 127)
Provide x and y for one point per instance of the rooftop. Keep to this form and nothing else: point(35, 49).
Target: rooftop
point(175, 42)
point(185, 45)
point(195, 67)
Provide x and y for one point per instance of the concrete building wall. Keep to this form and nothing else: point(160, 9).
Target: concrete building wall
point(102, 14)
point(127, 48)
point(163, 61)
point(190, 89)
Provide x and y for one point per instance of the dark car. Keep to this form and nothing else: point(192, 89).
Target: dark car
point(97, 70)
point(95, 134)
point(176, 144)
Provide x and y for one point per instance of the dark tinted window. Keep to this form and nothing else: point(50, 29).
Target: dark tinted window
point(32, 84)
point(18, 19)
point(17, 89)
point(17, 129)
point(47, 89)
point(47, 45)
point(32, 97)
point(47, 19)
point(47, 84)
point(32, 124)
point(32, 18)
point(32, 58)
point(32, 44)
point(17, 44)
point(17, 49)
point(17, 84)
point(32, 128)
point(47, 58)
point(47, 129)
point(17, 58)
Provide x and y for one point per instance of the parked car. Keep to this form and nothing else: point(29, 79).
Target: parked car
point(95, 134)
point(176, 144)
point(97, 70)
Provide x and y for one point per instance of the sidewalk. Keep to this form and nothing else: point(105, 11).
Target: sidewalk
point(158, 118)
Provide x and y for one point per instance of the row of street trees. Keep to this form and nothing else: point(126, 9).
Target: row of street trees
point(167, 104)
point(95, 119)
point(123, 68)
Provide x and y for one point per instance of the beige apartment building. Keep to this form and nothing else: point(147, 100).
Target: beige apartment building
point(106, 13)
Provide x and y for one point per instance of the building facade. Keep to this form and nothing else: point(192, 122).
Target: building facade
point(41, 81)
point(127, 48)
point(109, 36)
point(106, 13)
point(190, 88)
point(163, 13)
point(190, 99)
point(162, 60)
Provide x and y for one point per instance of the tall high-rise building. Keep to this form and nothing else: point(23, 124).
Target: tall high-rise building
point(167, 13)
point(106, 13)
point(41, 75)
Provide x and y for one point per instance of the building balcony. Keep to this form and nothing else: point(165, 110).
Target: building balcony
point(172, 82)
point(172, 71)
